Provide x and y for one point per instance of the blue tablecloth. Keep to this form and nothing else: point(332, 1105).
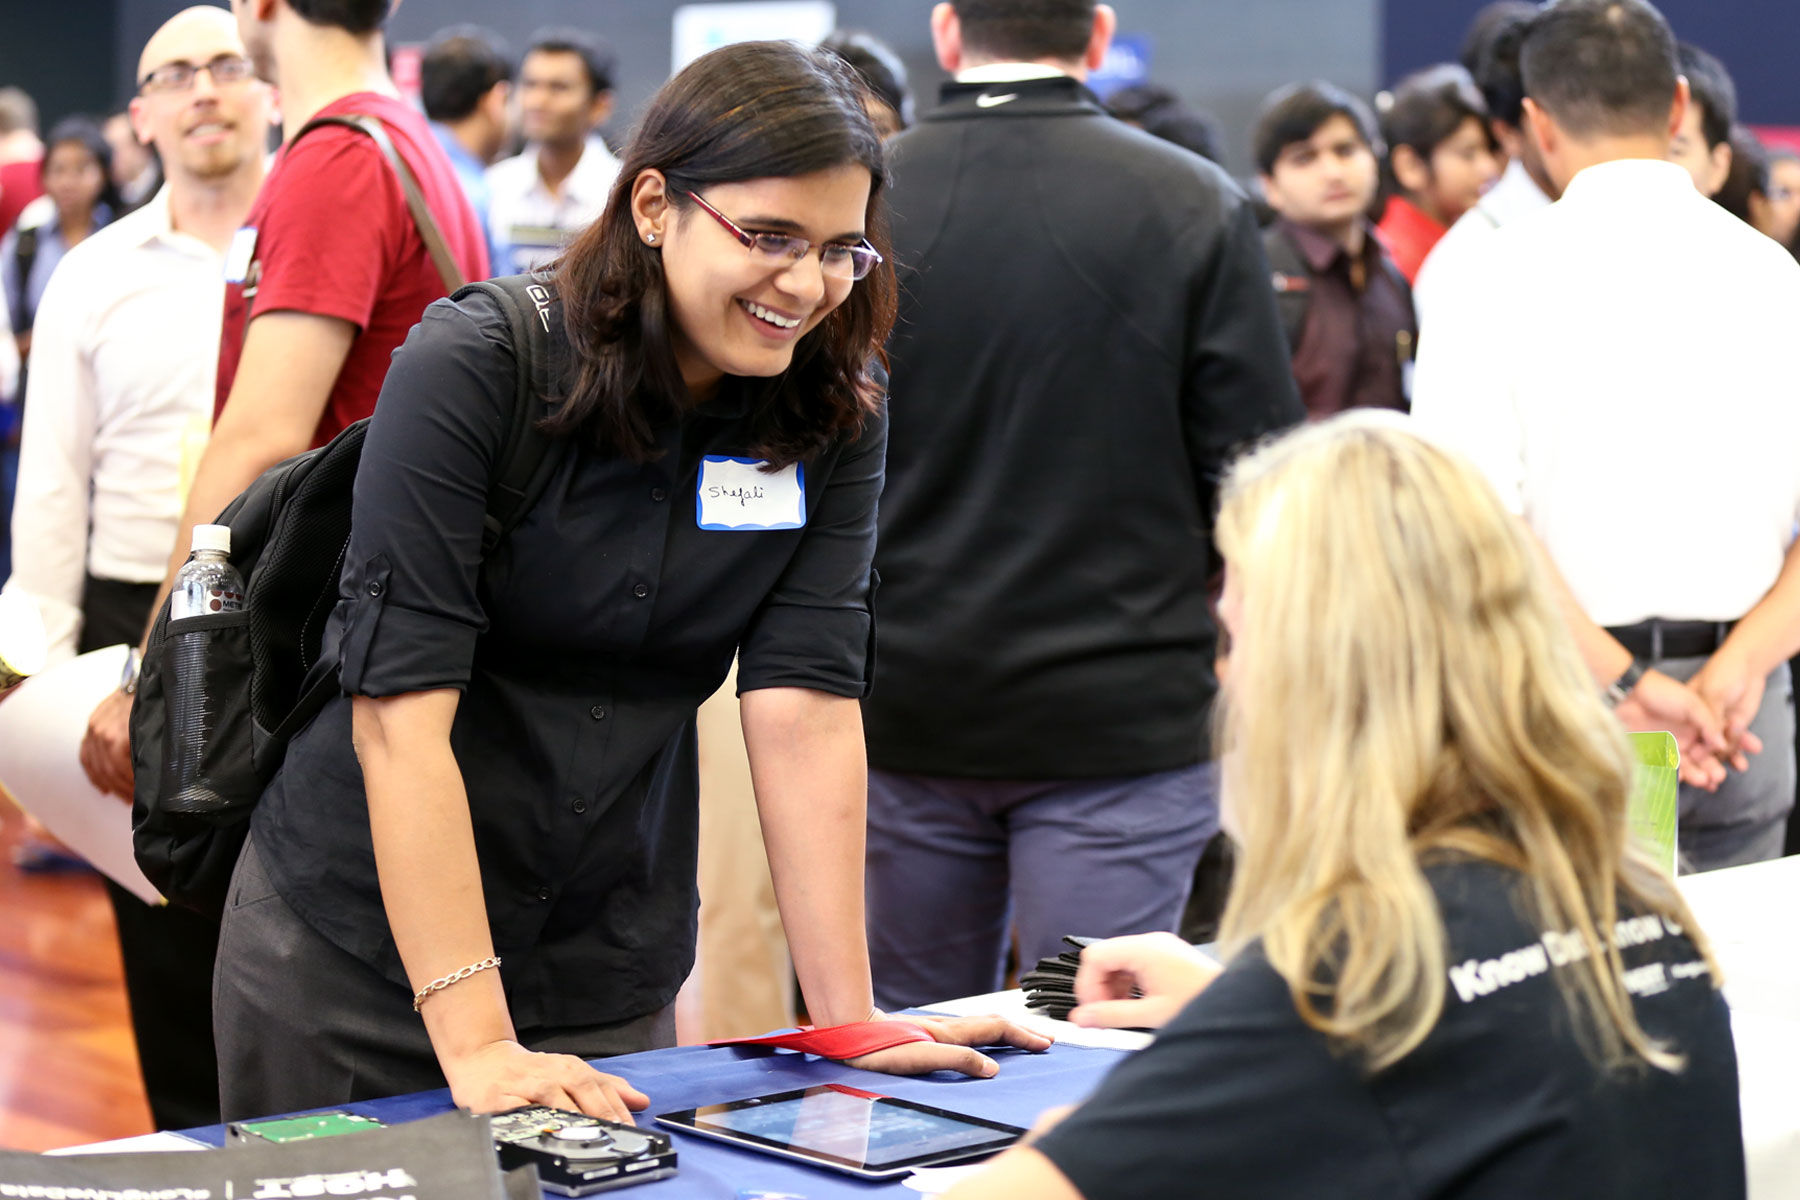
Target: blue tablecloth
point(689, 1076)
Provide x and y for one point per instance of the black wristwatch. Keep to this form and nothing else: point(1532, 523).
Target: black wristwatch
point(1623, 685)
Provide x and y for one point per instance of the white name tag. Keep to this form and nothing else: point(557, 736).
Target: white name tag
point(241, 254)
point(737, 494)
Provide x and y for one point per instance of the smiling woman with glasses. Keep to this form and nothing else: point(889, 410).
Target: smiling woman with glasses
point(495, 824)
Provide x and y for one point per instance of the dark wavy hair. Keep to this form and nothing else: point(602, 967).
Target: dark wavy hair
point(462, 64)
point(1426, 110)
point(755, 110)
point(1710, 86)
point(879, 68)
point(1602, 67)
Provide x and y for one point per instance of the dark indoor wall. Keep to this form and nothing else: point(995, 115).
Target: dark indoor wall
point(79, 55)
point(65, 54)
point(1222, 54)
point(1758, 41)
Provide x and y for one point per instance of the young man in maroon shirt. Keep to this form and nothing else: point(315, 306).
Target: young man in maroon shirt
point(1347, 310)
point(339, 270)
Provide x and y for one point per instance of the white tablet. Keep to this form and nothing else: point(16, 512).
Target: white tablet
point(846, 1129)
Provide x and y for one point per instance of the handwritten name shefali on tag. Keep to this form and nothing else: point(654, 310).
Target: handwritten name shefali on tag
point(745, 496)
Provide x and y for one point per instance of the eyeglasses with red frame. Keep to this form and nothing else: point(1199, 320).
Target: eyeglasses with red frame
point(783, 250)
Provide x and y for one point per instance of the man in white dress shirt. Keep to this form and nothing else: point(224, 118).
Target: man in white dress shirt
point(1522, 188)
point(124, 356)
point(544, 196)
point(1659, 472)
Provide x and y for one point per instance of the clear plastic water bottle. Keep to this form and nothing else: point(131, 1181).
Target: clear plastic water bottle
point(206, 585)
point(207, 582)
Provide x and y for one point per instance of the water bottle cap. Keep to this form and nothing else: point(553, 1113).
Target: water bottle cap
point(212, 537)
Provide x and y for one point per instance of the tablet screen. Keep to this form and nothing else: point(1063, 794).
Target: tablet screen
point(852, 1127)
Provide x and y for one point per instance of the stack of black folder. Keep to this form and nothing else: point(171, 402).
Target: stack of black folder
point(1050, 986)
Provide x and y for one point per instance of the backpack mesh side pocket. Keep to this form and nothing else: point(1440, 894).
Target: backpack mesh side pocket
point(205, 667)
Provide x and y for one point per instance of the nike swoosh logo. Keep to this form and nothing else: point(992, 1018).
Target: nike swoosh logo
point(995, 101)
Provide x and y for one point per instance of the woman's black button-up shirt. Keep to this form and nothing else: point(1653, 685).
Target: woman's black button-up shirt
point(582, 648)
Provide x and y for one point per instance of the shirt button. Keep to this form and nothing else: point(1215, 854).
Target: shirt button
point(579, 806)
point(543, 893)
point(641, 590)
point(658, 495)
point(375, 588)
point(598, 712)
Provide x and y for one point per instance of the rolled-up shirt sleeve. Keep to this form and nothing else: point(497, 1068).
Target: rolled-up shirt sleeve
point(409, 586)
point(816, 627)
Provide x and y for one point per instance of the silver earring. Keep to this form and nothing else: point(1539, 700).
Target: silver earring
point(650, 238)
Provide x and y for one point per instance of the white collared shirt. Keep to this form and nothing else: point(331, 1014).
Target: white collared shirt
point(1009, 72)
point(528, 224)
point(1516, 194)
point(124, 362)
point(1619, 366)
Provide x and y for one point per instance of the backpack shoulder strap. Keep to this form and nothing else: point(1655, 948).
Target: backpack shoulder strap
point(441, 258)
point(25, 251)
point(1292, 283)
point(527, 453)
point(534, 316)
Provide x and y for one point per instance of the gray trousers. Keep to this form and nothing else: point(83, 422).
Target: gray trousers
point(301, 1024)
point(953, 863)
point(1745, 821)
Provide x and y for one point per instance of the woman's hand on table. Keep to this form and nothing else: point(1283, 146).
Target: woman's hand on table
point(952, 1048)
point(503, 1075)
point(1168, 971)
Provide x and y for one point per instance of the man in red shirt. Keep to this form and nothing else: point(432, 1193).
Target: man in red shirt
point(324, 280)
point(21, 155)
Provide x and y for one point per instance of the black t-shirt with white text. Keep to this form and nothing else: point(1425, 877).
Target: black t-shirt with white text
point(1239, 1097)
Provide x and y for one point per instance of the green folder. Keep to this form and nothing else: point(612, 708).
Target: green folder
point(1652, 808)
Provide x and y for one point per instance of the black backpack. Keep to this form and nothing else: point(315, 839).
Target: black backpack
point(289, 533)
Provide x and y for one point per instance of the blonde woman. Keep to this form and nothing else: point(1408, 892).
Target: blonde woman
point(1448, 974)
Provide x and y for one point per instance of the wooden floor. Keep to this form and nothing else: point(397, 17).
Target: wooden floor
point(68, 1065)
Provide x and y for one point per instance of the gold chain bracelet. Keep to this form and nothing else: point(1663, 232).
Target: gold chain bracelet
point(438, 985)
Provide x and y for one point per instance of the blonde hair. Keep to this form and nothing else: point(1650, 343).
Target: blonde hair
point(1404, 686)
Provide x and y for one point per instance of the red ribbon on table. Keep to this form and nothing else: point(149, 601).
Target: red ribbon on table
point(839, 1041)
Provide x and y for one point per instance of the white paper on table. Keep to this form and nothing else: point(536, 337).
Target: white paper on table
point(935, 1181)
point(147, 1142)
point(41, 726)
point(1012, 1006)
point(1768, 1054)
point(1745, 913)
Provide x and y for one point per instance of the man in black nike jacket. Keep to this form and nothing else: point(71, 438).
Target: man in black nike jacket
point(1087, 334)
